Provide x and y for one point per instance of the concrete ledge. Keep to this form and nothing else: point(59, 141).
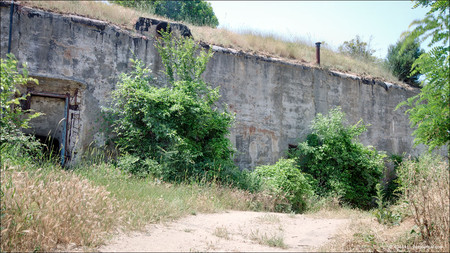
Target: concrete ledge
point(364, 80)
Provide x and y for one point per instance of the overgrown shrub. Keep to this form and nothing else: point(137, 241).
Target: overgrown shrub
point(338, 162)
point(358, 48)
point(13, 118)
point(178, 126)
point(425, 187)
point(285, 180)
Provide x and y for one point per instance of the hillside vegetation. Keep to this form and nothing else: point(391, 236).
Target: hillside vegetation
point(296, 51)
point(170, 157)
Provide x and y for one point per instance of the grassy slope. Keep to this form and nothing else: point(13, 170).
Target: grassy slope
point(44, 206)
point(249, 42)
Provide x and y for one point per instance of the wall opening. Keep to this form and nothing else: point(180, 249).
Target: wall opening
point(52, 125)
point(292, 148)
point(58, 128)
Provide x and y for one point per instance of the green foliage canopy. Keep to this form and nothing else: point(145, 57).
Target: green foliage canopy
point(337, 162)
point(196, 12)
point(429, 111)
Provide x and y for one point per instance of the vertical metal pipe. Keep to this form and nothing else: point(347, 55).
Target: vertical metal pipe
point(10, 25)
point(318, 53)
point(65, 128)
point(66, 142)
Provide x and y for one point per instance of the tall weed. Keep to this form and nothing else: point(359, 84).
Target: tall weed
point(425, 187)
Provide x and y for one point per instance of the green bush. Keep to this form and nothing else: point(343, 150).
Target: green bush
point(177, 125)
point(13, 118)
point(286, 180)
point(358, 48)
point(339, 164)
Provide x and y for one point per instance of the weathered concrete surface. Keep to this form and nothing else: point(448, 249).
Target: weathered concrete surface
point(274, 101)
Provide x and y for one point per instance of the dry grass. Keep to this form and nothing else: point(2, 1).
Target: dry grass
point(426, 188)
point(297, 51)
point(41, 211)
point(222, 232)
point(425, 206)
point(115, 14)
point(48, 209)
point(269, 218)
point(269, 239)
point(145, 201)
point(367, 235)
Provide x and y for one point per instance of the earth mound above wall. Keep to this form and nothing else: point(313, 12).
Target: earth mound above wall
point(274, 100)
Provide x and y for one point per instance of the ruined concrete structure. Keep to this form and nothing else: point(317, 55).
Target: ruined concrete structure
point(79, 60)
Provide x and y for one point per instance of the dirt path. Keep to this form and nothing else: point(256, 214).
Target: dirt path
point(231, 231)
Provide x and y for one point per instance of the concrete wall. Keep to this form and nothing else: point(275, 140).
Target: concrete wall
point(274, 101)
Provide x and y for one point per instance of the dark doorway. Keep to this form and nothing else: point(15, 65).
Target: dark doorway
point(50, 128)
point(51, 146)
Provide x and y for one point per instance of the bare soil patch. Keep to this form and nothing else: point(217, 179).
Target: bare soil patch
point(231, 231)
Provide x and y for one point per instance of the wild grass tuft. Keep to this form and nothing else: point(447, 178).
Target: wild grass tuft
point(42, 209)
point(222, 232)
point(269, 218)
point(423, 212)
point(296, 50)
point(272, 239)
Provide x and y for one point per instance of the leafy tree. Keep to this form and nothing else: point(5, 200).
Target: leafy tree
point(338, 163)
point(429, 110)
point(400, 59)
point(174, 132)
point(197, 12)
point(357, 48)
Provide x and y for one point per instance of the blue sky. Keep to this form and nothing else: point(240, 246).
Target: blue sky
point(332, 22)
